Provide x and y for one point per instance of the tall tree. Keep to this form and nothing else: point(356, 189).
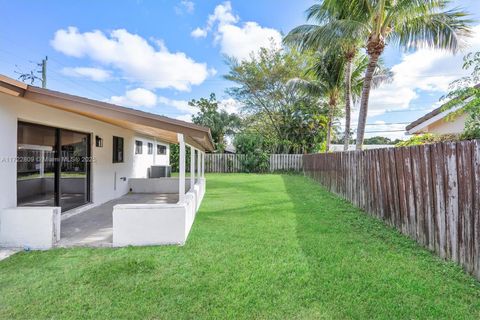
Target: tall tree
point(323, 35)
point(327, 84)
point(220, 122)
point(409, 24)
point(270, 106)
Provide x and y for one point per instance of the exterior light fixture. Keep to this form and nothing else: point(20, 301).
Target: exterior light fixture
point(98, 142)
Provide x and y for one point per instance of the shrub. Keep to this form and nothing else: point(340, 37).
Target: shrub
point(472, 125)
point(428, 138)
point(253, 147)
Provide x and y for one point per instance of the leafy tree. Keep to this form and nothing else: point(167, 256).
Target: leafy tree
point(175, 158)
point(380, 140)
point(465, 97)
point(305, 125)
point(220, 122)
point(271, 107)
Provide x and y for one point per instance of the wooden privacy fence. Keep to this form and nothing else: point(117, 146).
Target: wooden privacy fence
point(229, 163)
point(430, 192)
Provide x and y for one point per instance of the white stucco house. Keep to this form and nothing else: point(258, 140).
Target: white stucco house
point(63, 155)
point(438, 121)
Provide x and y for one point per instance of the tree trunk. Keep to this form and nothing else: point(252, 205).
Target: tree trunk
point(331, 112)
point(329, 134)
point(348, 100)
point(367, 85)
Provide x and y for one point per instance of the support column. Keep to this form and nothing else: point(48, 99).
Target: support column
point(192, 167)
point(203, 164)
point(181, 169)
point(199, 164)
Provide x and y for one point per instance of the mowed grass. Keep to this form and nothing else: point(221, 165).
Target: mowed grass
point(262, 247)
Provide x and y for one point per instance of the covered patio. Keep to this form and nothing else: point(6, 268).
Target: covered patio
point(120, 202)
point(155, 211)
point(94, 227)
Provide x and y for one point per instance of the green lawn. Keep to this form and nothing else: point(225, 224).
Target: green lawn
point(262, 246)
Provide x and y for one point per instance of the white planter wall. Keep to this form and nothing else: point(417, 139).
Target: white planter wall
point(156, 224)
point(27, 227)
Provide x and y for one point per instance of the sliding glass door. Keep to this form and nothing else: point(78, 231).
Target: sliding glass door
point(74, 169)
point(53, 167)
point(36, 165)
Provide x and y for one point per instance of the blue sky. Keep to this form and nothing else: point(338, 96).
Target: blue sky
point(156, 55)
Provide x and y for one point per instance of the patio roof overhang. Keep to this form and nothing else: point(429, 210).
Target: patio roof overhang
point(145, 123)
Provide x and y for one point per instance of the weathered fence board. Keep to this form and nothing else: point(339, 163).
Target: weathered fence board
point(229, 163)
point(430, 193)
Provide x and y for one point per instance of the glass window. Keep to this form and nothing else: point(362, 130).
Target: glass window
point(37, 165)
point(53, 167)
point(138, 147)
point(161, 149)
point(117, 149)
point(150, 148)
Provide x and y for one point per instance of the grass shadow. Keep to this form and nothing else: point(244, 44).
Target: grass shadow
point(365, 269)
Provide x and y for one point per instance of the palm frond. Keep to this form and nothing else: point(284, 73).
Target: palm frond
point(442, 30)
point(307, 87)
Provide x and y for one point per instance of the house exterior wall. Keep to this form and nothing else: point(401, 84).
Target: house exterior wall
point(443, 126)
point(106, 182)
point(143, 161)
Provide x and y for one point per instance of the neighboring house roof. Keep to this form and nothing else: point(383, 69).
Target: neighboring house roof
point(142, 122)
point(431, 117)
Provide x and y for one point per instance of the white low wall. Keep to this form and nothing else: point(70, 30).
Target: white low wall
point(156, 185)
point(156, 224)
point(141, 225)
point(30, 227)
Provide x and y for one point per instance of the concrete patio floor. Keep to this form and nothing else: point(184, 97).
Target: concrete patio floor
point(6, 252)
point(93, 227)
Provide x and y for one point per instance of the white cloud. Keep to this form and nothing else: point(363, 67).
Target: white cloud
point(185, 117)
point(240, 42)
point(223, 13)
point(181, 105)
point(185, 5)
point(139, 61)
point(188, 5)
point(237, 40)
point(199, 33)
point(230, 105)
point(139, 97)
point(94, 74)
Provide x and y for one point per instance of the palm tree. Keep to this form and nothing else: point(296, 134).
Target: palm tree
point(324, 35)
point(381, 75)
point(409, 24)
point(325, 81)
